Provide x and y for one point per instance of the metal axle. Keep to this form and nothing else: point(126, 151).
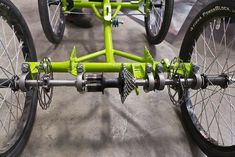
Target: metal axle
point(98, 80)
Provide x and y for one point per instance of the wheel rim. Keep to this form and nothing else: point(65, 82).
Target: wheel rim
point(156, 15)
point(13, 111)
point(55, 15)
point(212, 110)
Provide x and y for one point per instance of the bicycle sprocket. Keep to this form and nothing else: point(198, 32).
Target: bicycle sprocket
point(127, 83)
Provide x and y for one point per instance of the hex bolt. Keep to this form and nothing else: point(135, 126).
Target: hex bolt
point(159, 68)
point(80, 68)
point(149, 68)
point(195, 69)
point(25, 68)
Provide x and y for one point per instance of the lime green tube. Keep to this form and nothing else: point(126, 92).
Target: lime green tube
point(71, 67)
point(108, 42)
point(127, 5)
point(129, 56)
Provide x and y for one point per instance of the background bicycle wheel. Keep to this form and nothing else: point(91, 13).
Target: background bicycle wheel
point(99, 125)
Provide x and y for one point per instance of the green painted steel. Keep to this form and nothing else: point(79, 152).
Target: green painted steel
point(147, 6)
point(106, 17)
point(116, 11)
point(129, 56)
point(108, 42)
point(87, 57)
point(97, 13)
point(127, 5)
point(137, 68)
point(64, 5)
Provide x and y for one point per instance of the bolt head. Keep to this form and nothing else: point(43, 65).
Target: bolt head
point(159, 68)
point(25, 68)
point(195, 69)
point(149, 68)
point(80, 68)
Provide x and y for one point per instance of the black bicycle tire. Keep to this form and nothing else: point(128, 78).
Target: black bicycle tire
point(169, 6)
point(53, 37)
point(192, 34)
point(14, 18)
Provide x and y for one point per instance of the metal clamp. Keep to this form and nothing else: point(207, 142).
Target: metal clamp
point(160, 79)
point(22, 79)
point(197, 77)
point(149, 74)
point(80, 82)
point(22, 82)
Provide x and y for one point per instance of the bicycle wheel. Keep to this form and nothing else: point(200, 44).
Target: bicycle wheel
point(209, 113)
point(17, 109)
point(158, 21)
point(52, 19)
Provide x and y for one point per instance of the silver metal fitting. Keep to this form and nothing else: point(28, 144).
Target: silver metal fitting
point(22, 82)
point(151, 82)
point(160, 81)
point(80, 83)
point(25, 68)
point(197, 77)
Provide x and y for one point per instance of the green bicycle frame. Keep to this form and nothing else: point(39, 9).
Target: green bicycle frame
point(77, 4)
point(138, 68)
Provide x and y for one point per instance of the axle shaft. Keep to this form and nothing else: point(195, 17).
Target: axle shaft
point(94, 81)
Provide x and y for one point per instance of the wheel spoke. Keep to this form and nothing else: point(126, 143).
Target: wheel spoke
point(156, 17)
point(217, 122)
point(5, 48)
point(215, 92)
point(208, 47)
point(54, 19)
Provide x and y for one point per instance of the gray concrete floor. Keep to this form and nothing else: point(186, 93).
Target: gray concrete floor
point(96, 125)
